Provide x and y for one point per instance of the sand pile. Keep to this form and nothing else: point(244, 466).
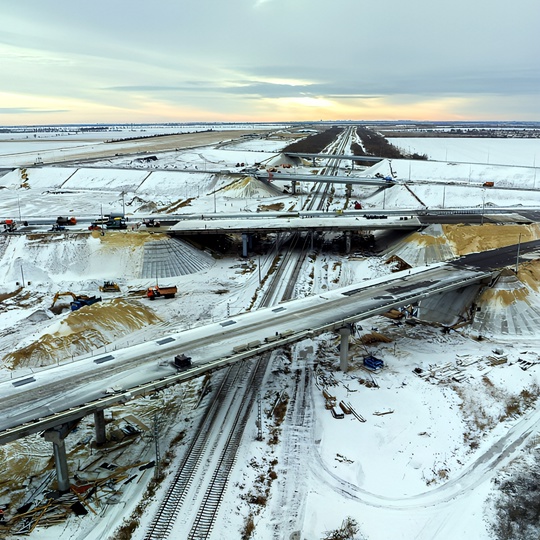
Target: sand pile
point(248, 188)
point(467, 239)
point(82, 331)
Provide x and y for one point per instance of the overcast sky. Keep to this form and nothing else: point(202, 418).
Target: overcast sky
point(268, 60)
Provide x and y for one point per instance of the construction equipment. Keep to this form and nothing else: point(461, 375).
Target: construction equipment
point(57, 228)
point(373, 363)
point(151, 222)
point(116, 223)
point(182, 362)
point(66, 220)
point(165, 291)
point(10, 225)
point(109, 286)
point(78, 300)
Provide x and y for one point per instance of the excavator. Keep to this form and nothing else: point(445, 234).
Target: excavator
point(78, 300)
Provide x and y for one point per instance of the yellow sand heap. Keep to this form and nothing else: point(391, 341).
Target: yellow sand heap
point(477, 238)
point(84, 330)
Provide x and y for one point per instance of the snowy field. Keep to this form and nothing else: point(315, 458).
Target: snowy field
point(443, 422)
point(521, 152)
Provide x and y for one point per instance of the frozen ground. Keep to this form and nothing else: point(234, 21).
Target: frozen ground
point(420, 467)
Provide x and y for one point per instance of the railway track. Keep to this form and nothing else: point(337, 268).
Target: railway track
point(162, 523)
point(206, 515)
point(231, 429)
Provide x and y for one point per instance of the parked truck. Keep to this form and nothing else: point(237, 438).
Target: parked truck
point(10, 225)
point(78, 300)
point(62, 221)
point(116, 223)
point(156, 291)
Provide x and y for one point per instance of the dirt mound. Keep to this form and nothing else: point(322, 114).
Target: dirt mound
point(477, 238)
point(247, 188)
point(84, 330)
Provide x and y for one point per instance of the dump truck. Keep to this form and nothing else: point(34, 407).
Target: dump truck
point(167, 291)
point(10, 225)
point(78, 300)
point(82, 301)
point(66, 220)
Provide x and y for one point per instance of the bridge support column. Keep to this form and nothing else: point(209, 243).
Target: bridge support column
point(57, 436)
point(99, 423)
point(347, 242)
point(245, 238)
point(345, 334)
point(348, 190)
point(293, 185)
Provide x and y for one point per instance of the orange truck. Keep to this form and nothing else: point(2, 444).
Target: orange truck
point(156, 291)
point(488, 184)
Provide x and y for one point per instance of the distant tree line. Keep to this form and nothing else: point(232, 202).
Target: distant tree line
point(377, 145)
point(314, 144)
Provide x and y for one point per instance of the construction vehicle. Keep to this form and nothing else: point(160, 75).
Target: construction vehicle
point(78, 301)
point(488, 184)
point(10, 225)
point(109, 286)
point(151, 222)
point(182, 362)
point(116, 223)
point(373, 363)
point(66, 221)
point(165, 291)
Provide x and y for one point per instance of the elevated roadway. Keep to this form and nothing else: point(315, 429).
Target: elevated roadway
point(269, 177)
point(367, 159)
point(259, 224)
point(73, 389)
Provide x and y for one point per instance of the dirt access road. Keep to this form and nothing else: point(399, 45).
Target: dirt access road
point(164, 143)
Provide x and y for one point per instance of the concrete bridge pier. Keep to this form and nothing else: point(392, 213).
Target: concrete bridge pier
point(99, 423)
point(348, 190)
point(245, 240)
point(293, 186)
point(57, 436)
point(345, 333)
point(347, 242)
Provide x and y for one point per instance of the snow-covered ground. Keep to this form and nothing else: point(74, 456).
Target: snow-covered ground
point(422, 466)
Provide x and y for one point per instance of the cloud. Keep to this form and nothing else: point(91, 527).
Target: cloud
point(29, 110)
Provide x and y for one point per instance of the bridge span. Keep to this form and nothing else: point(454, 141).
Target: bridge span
point(73, 389)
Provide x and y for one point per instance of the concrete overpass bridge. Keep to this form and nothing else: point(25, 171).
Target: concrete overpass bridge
point(54, 398)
